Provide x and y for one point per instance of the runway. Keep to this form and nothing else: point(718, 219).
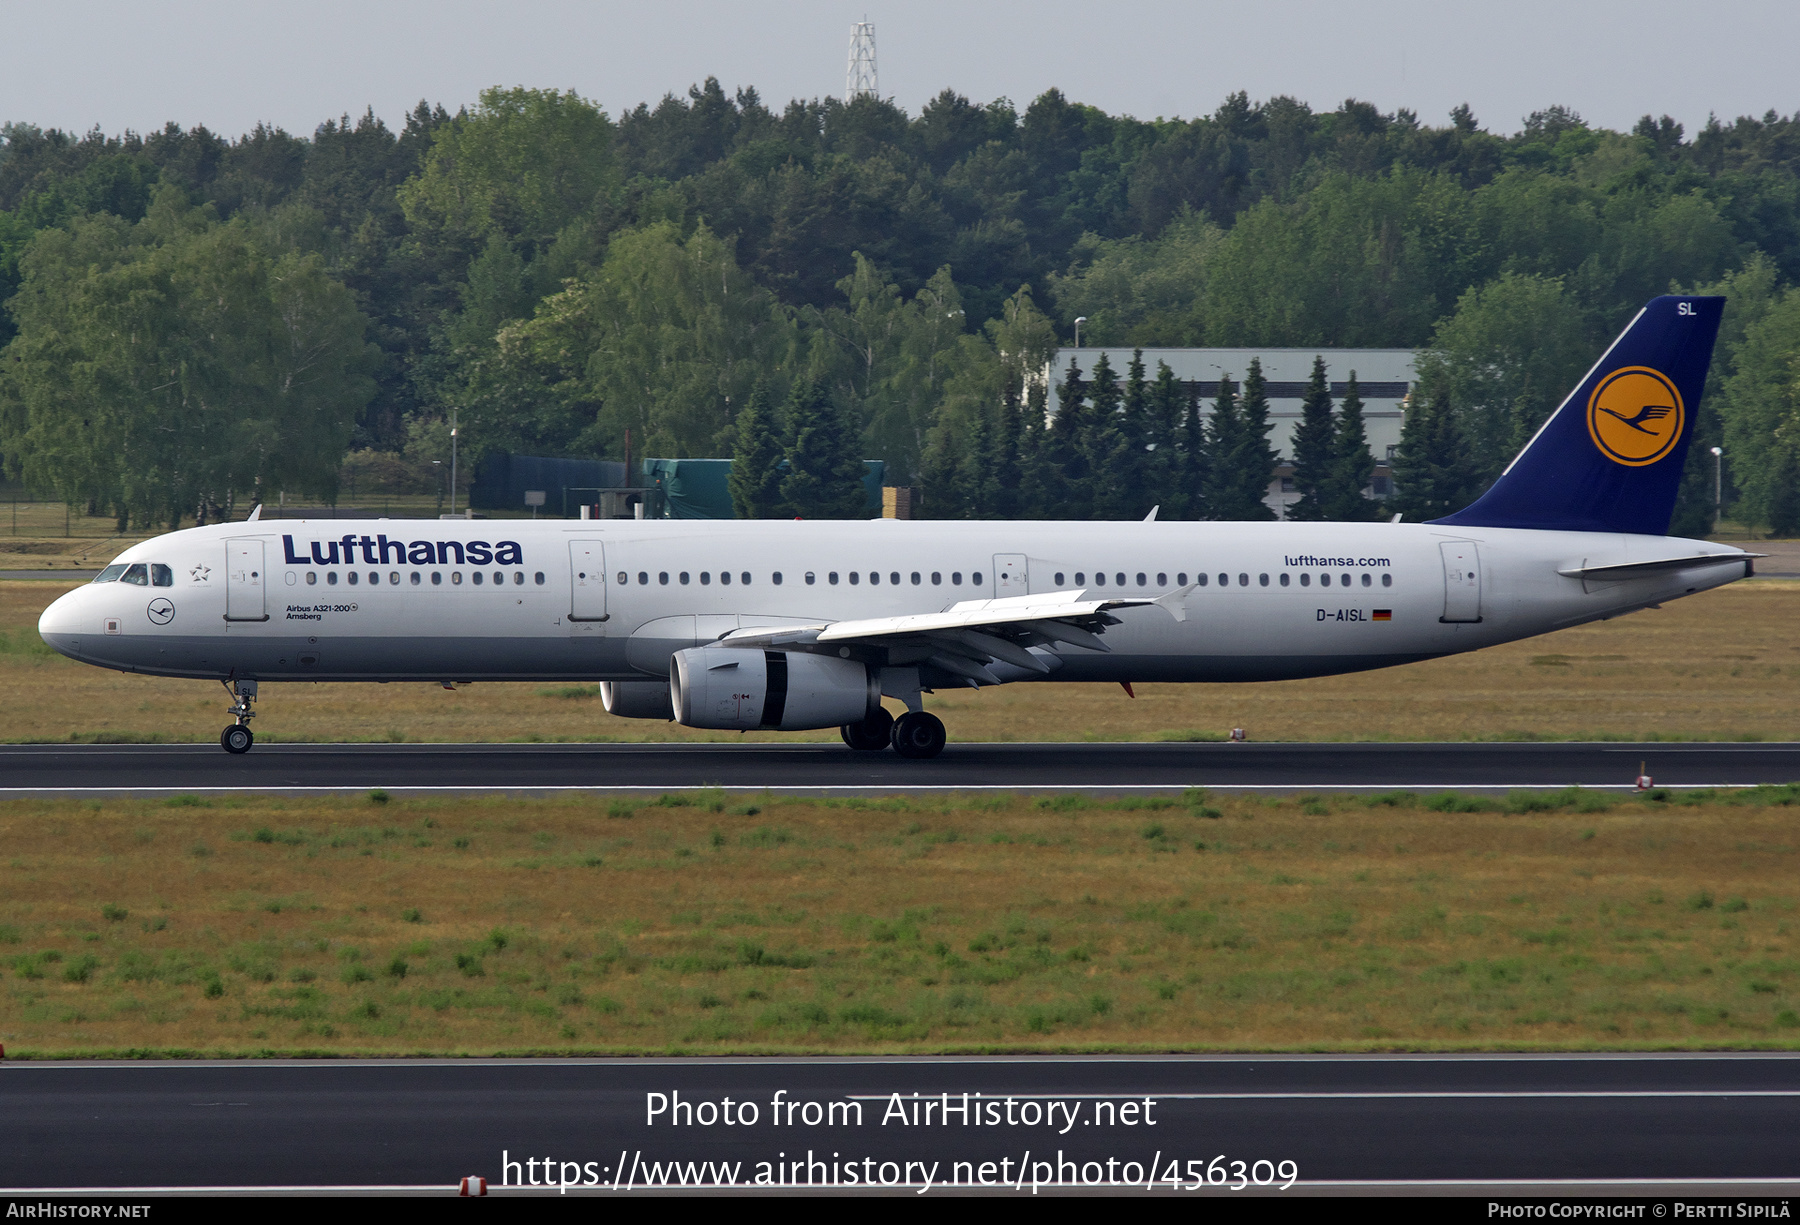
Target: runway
point(1621, 1124)
point(813, 768)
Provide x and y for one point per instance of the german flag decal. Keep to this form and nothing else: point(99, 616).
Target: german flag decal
point(1384, 614)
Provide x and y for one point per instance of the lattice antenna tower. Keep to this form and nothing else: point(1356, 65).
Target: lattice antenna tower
point(859, 81)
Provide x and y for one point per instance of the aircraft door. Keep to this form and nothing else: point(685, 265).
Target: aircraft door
point(245, 581)
point(587, 585)
point(1011, 575)
point(1462, 581)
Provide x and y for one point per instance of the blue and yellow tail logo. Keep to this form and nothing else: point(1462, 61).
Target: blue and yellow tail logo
point(1635, 416)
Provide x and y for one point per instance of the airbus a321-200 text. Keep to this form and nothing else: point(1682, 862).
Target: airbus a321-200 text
point(789, 625)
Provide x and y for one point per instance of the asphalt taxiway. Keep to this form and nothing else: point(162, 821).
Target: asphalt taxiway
point(1633, 1124)
point(814, 768)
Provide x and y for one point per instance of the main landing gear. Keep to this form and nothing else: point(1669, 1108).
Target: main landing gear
point(914, 734)
point(238, 737)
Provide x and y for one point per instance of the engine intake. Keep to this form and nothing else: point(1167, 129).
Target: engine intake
point(637, 699)
point(737, 689)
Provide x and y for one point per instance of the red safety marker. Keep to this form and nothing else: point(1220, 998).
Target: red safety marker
point(474, 1184)
point(1643, 779)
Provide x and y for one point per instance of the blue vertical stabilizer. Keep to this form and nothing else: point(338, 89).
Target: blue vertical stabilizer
point(1610, 458)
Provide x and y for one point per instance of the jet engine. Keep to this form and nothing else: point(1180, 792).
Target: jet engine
point(739, 689)
point(637, 699)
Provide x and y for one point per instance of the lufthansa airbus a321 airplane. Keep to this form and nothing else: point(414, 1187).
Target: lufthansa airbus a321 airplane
point(789, 625)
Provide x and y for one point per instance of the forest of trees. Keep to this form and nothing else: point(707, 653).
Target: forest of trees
point(190, 321)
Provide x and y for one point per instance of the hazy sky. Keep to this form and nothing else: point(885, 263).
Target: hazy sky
point(78, 63)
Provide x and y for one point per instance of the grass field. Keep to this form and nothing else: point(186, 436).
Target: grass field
point(1724, 665)
point(740, 923)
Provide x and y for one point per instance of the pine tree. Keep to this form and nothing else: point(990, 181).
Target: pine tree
point(1130, 467)
point(1006, 455)
point(1191, 467)
point(1222, 430)
point(1246, 469)
point(755, 479)
point(1352, 466)
point(1315, 451)
point(825, 475)
point(1162, 458)
point(1040, 483)
point(1107, 446)
point(1432, 475)
point(1066, 451)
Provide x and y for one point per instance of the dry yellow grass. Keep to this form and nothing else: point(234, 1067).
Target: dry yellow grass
point(1719, 666)
point(756, 924)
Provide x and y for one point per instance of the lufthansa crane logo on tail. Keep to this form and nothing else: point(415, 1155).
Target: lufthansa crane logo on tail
point(1635, 416)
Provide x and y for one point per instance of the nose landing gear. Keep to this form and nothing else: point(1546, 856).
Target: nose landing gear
point(238, 737)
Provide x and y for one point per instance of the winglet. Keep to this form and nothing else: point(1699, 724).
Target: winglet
point(1151, 517)
point(255, 513)
point(1175, 603)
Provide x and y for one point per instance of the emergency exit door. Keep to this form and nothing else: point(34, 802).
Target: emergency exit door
point(1462, 581)
point(1011, 576)
point(587, 583)
point(246, 581)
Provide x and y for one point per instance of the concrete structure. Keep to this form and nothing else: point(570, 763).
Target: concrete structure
point(1384, 377)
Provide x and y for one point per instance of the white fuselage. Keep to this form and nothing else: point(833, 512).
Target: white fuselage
point(462, 600)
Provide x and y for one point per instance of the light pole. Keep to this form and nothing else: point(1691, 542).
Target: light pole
point(453, 461)
point(1718, 484)
point(1078, 322)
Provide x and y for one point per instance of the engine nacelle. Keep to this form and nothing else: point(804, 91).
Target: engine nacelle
point(637, 699)
point(739, 689)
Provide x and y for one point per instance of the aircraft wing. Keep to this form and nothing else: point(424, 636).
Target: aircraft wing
point(967, 640)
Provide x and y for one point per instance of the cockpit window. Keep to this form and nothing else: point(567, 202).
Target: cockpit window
point(161, 575)
point(137, 575)
point(110, 574)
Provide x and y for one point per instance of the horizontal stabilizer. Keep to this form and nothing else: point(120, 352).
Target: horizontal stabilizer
point(1645, 569)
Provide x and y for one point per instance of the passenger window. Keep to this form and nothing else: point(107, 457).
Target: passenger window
point(352, 577)
point(915, 578)
point(1143, 580)
point(499, 578)
point(393, 578)
point(456, 578)
point(1343, 580)
point(706, 578)
point(475, 577)
point(1243, 580)
point(331, 578)
point(855, 578)
point(956, 578)
point(1224, 580)
point(110, 574)
point(374, 578)
point(776, 578)
point(894, 578)
point(1306, 580)
point(1284, 580)
point(624, 578)
point(136, 575)
point(724, 578)
point(1162, 580)
point(519, 578)
point(161, 575)
point(684, 578)
point(437, 578)
point(1099, 579)
point(1262, 579)
point(1080, 579)
point(540, 578)
point(643, 579)
point(975, 579)
point(416, 578)
point(937, 579)
point(312, 578)
point(1200, 579)
point(1120, 578)
point(1059, 578)
point(1181, 579)
point(832, 578)
point(1387, 580)
point(874, 578)
point(745, 578)
point(1367, 581)
point(662, 578)
point(809, 578)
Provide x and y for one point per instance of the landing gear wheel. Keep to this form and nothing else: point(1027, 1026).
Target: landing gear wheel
point(872, 734)
point(918, 734)
point(237, 739)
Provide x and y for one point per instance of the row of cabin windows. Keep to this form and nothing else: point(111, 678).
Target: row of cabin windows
point(831, 576)
point(138, 574)
point(417, 578)
point(1243, 580)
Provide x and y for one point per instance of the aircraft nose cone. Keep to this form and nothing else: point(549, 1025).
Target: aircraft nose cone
point(59, 625)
